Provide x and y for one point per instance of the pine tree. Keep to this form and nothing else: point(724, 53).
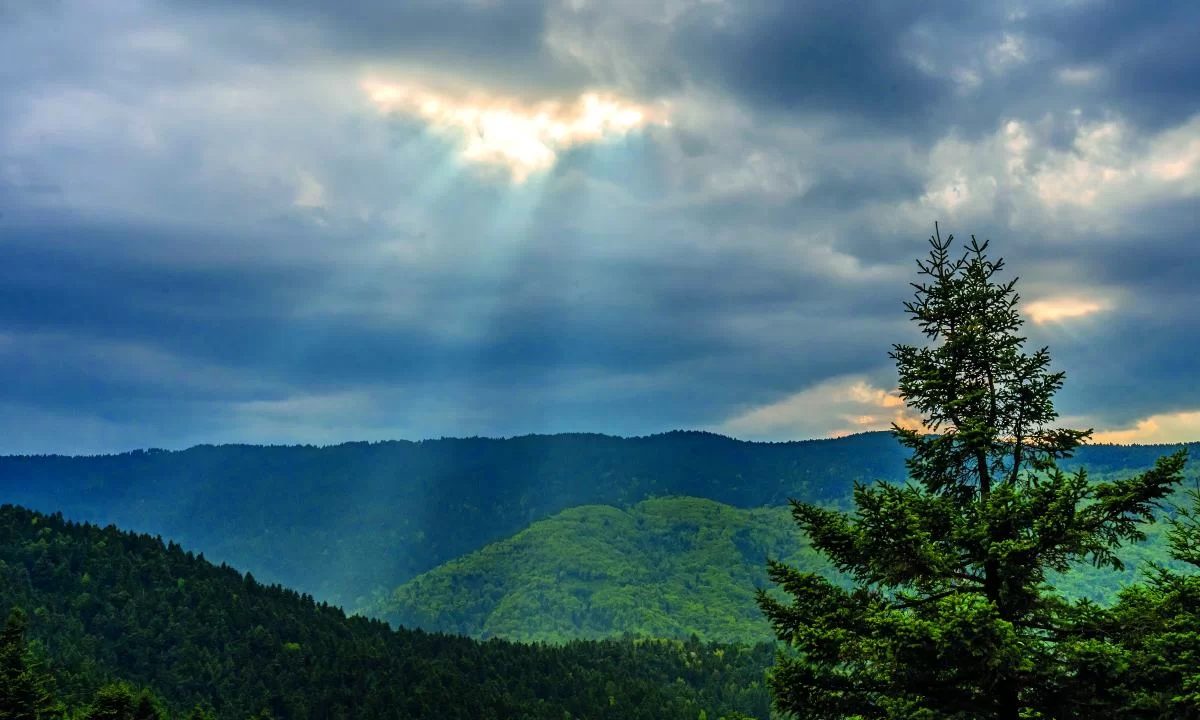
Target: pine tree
point(200, 713)
point(949, 613)
point(118, 701)
point(112, 702)
point(25, 691)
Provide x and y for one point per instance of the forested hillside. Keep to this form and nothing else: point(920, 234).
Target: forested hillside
point(342, 521)
point(105, 605)
point(663, 568)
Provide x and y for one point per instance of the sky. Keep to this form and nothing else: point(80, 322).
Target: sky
point(307, 221)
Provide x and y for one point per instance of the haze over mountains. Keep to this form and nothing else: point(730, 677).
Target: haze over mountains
point(350, 523)
point(342, 521)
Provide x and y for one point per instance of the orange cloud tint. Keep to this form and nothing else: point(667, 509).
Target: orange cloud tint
point(1176, 427)
point(1062, 308)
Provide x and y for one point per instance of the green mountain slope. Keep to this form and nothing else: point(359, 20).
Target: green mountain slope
point(106, 605)
point(341, 521)
point(663, 568)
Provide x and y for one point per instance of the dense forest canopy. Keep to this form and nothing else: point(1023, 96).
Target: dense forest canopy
point(671, 567)
point(107, 606)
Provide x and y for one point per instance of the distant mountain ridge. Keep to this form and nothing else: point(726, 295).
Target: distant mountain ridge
point(345, 520)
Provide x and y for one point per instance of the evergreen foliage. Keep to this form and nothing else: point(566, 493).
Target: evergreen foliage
point(31, 696)
point(951, 614)
point(118, 701)
point(25, 689)
point(344, 521)
point(1157, 624)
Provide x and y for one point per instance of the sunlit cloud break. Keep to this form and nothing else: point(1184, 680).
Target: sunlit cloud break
point(832, 408)
point(523, 137)
point(1063, 308)
point(1171, 427)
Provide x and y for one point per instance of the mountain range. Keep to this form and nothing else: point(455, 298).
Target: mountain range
point(533, 538)
point(343, 521)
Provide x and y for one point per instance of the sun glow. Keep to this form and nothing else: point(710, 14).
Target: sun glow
point(524, 137)
point(1173, 427)
point(833, 408)
point(1063, 308)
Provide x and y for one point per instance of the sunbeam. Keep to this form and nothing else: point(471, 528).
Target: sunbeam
point(526, 138)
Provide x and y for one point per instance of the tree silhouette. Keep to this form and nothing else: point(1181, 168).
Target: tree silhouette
point(950, 614)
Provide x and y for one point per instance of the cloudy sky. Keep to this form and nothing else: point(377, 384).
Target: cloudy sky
point(313, 221)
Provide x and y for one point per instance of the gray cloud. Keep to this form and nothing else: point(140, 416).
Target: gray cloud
point(501, 42)
point(1146, 53)
point(841, 58)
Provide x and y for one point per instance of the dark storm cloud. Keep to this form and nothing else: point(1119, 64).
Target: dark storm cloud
point(1131, 368)
point(637, 319)
point(814, 56)
point(106, 318)
point(1147, 50)
point(870, 63)
point(859, 60)
point(498, 42)
point(1139, 359)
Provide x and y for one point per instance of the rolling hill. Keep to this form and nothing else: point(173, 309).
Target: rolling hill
point(663, 568)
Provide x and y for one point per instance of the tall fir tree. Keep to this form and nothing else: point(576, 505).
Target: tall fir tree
point(950, 614)
point(25, 690)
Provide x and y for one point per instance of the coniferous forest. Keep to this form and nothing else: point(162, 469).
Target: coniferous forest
point(98, 608)
point(348, 522)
